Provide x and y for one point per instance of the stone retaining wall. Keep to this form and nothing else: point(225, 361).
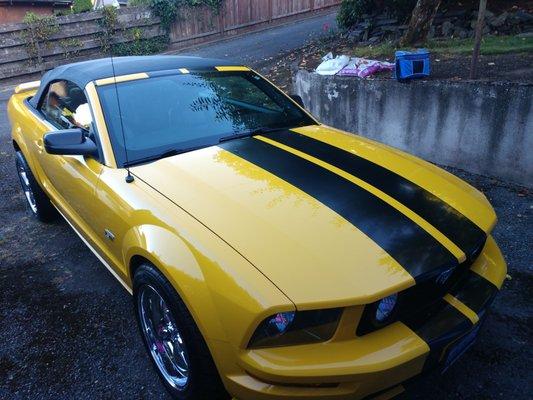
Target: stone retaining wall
point(485, 128)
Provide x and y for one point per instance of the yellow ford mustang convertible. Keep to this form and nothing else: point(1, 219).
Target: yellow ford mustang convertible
point(269, 256)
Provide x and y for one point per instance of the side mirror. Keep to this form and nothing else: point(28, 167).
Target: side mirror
point(72, 142)
point(298, 100)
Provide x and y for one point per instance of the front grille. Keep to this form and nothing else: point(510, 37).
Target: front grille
point(418, 303)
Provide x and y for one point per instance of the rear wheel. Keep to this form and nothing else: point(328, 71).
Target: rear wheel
point(172, 339)
point(39, 204)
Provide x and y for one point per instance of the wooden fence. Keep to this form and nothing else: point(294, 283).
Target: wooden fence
point(79, 35)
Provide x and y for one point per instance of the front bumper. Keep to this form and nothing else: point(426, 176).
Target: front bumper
point(352, 367)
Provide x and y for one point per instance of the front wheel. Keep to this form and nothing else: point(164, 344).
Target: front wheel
point(39, 204)
point(172, 339)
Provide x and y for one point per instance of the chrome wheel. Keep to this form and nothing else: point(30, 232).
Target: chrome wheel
point(163, 337)
point(26, 187)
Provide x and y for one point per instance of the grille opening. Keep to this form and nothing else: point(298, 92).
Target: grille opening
point(418, 303)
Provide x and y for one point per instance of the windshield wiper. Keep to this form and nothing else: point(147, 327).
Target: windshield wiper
point(175, 152)
point(166, 154)
point(250, 133)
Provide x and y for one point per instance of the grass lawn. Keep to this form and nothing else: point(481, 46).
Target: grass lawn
point(490, 45)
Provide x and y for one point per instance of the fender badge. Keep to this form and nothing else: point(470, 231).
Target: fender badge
point(109, 235)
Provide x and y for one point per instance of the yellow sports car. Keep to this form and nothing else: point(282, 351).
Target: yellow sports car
point(269, 256)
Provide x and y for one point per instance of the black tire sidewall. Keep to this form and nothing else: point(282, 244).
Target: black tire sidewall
point(200, 361)
point(45, 211)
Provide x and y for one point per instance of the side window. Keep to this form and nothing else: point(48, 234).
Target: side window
point(66, 106)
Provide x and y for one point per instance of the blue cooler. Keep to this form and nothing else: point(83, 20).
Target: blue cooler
point(412, 64)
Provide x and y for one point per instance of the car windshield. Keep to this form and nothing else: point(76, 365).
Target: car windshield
point(172, 113)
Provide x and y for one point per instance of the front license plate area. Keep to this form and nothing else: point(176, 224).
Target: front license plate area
point(459, 348)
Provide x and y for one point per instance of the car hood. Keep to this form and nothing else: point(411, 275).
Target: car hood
point(330, 218)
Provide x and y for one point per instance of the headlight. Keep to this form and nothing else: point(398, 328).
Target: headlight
point(386, 308)
point(300, 327)
point(379, 314)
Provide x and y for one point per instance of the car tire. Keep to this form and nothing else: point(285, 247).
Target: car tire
point(37, 200)
point(176, 326)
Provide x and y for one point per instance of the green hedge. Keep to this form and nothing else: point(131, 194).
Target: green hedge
point(351, 11)
point(80, 6)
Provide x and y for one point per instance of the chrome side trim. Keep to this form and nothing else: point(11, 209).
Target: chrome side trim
point(95, 252)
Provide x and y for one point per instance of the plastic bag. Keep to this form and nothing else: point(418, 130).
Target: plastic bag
point(331, 66)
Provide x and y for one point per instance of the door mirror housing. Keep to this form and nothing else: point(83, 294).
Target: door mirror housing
point(71, 142)
point(298, 100)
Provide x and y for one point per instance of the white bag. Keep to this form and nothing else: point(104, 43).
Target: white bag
point(331, 66)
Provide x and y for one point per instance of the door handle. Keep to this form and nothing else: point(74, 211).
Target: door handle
point(40, 145)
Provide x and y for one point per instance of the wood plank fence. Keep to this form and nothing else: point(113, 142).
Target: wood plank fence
point(78, 35)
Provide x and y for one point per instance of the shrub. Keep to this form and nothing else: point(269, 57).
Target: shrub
point(134, 3)
point(351, 12)
point(81, 6)
point(36, 35)
point(166, 10)
point(140, 46)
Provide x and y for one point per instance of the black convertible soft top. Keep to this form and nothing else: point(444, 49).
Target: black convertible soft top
point(82, 73)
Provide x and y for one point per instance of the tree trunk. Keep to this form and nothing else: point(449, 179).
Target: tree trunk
point(477, 40)
point(421, 20)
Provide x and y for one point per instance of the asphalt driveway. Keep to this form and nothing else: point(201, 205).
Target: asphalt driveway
point(256, 48)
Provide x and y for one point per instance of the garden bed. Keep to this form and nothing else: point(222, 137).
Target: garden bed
point(503, 58)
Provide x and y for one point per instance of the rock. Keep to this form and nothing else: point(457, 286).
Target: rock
point(522, 16)
point(381, 17)
point(356, 34)
point(390, 28)
point(460, 33)
point(431, 33)
point(384, 22)
point(455, 14)
point(488, 14)
point(447, 29)
point(499, 20)
point(439, 18)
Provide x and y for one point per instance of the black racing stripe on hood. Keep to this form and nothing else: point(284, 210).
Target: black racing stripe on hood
point(411, 246)
point(454, 225)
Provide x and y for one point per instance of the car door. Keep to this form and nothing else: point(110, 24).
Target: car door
point(69, 180)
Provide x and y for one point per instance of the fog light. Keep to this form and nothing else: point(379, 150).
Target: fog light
point(386, 307)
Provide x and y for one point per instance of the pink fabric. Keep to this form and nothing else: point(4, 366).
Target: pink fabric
point(363, 68)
